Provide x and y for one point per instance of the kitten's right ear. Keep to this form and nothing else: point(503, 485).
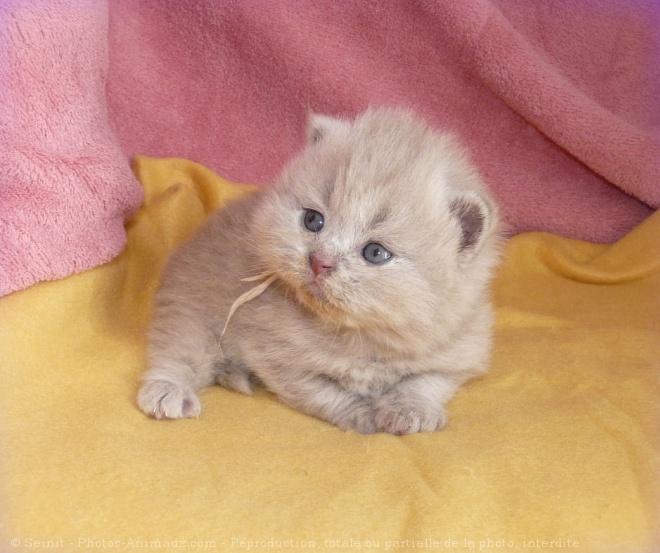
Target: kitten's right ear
point(319, 126)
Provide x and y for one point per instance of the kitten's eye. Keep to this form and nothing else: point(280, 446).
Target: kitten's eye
point(313, 220)
point(375, 253)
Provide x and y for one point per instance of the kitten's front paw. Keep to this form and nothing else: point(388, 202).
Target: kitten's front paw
point(401, 419)
point(165, 400)
point(359, 419)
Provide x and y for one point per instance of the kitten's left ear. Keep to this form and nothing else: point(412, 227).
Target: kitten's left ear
point(476, 216)
point(319, 126)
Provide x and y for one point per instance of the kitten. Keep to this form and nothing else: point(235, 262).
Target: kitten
point(378, 242)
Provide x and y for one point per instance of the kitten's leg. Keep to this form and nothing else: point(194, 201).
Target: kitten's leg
point(326, 399)
point(182, 357)
point(415, 404)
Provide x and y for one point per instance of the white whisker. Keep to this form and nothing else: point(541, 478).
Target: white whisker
point(249, 295)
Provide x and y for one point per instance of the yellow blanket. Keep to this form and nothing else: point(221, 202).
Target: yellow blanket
point(555, 449)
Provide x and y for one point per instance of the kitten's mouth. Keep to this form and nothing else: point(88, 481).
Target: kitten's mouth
point(318, 297)
point(316, 290)
point(315, 295)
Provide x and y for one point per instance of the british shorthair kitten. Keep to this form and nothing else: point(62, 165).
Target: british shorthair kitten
point(374, 250)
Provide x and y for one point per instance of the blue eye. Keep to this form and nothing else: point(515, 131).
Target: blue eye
point(376, 253)
point(313, 220)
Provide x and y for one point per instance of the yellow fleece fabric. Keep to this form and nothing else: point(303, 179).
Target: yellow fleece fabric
point(555, 449)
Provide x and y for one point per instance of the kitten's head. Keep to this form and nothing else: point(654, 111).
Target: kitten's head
point(381, 225)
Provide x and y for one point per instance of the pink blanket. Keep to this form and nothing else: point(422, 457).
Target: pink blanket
point(557, 100)
point(66, 188)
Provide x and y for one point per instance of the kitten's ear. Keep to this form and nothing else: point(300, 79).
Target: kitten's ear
point(319, 126)
point(476, 216)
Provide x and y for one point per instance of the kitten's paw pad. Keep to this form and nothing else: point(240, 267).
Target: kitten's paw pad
point(401, 420)
point(164, 400)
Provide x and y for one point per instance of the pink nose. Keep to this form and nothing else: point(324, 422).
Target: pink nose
point(320, 265)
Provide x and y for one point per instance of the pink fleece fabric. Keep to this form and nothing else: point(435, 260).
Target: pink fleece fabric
point(557, 100)
point(66, 187)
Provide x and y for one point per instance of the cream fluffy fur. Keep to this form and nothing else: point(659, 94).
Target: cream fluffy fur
point(368, 347)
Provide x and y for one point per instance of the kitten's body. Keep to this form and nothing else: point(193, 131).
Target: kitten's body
point(369, 346)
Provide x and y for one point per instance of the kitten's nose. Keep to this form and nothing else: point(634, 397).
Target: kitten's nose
point(320, 265)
